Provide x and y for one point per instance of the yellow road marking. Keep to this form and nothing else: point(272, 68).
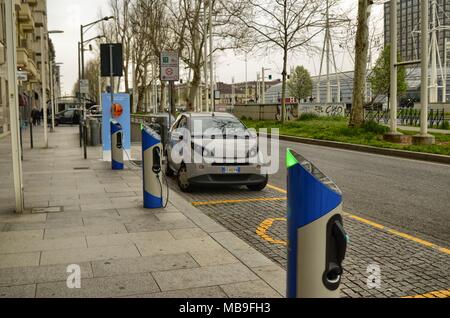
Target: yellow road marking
point(237, 201)
point(382, 227)
point(435, 294)
point(261, 231)
point(276, 188)
point(357, 218)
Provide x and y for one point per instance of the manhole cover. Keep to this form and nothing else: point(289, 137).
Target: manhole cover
point(52, 209)
point(81, 168)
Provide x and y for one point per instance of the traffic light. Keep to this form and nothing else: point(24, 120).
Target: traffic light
point(270, 77)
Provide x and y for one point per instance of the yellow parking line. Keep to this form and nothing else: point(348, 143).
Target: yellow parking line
point(362, 220)
point(261, 231)
point(384, 228)
point(435, 294)
point(276, 189)
point(237, 201)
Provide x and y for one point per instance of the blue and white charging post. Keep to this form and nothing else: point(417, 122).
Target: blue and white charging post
point(152, 151)
point(117, 162)
point(317, 242)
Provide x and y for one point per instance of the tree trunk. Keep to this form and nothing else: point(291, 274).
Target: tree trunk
point(162, 99)
point(361, 50)
point(193, 90)
point(140, 99)
point(283, 89)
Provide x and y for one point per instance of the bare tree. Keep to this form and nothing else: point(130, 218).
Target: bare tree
point(286, 25)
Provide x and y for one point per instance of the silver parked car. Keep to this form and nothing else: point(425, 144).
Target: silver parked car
point(214, 149)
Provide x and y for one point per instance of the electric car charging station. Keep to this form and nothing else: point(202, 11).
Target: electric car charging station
point(317, 242)
point(152, 151)
point(117, 162)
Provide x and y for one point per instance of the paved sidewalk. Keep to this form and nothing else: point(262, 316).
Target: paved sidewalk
point(123, 250)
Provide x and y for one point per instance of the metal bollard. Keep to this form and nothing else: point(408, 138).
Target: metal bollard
point(151, 167)
point(116, 146)
point(31, 134)
point(317, 242)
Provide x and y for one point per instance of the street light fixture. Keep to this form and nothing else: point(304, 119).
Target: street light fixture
point(83, 29)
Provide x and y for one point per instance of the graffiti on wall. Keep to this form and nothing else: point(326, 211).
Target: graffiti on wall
point(291, 112)
point(323, 109)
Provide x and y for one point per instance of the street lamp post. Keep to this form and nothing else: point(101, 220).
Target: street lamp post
point(84, 28)
point(211, 51)
point(52, 102)
point(44, 87)
point(52, 93)
point(44, 81)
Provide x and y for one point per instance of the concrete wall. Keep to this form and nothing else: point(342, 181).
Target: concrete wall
point(272, 111)
point(256, 112)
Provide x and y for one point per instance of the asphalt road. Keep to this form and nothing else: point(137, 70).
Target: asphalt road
point(411, 196)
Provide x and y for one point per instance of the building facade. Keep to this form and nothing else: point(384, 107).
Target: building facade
point(31, 16)
point(408, 25)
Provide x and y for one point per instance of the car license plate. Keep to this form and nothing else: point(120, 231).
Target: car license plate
point(231, 170)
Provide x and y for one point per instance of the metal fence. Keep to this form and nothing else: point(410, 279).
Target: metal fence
point(408, 117)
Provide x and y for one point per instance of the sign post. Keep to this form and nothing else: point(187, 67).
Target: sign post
point(170, 71)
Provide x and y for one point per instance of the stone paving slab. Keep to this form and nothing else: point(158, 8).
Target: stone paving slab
point(106, 287)
point(205, 292)
point(203, 277)
point(40, 274)
point(106, 268)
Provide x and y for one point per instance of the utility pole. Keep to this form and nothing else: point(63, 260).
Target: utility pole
point(329, 56)
point(258, 90)
point(52, 95)
point(205, 55)
point(13, 100)
point(246, 78)
point(211, 53)
point(433, 75)
point(424, 137)
point(327, 49)
point(393, 68)
point(232, 93)
point(263, 88)
point(444, 81)
point(44, 86)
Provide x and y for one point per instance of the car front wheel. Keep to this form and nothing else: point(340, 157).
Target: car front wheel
point(182, 179)
point(258, 187)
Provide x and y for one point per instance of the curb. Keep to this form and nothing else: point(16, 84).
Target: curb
point(370, 149)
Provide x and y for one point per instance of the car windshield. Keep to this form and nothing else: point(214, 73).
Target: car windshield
point(224, 126)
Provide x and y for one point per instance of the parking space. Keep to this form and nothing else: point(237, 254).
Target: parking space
point(380, 262)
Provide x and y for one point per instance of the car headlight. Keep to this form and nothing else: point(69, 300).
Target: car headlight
point(202, 150)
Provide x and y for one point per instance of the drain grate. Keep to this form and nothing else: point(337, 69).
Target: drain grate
point(81, 168)
point(51, 209)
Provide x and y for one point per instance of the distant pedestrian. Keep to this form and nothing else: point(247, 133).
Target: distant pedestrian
point(35, 116)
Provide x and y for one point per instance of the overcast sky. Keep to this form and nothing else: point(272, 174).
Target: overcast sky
point(67, 15)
